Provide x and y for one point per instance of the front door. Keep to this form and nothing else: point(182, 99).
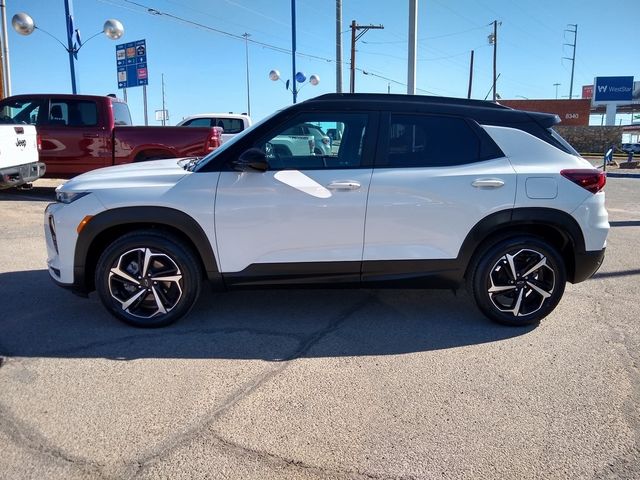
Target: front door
point(303, 219)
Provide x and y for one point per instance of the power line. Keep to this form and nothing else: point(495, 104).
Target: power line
point(429, 38)
point(157, 12)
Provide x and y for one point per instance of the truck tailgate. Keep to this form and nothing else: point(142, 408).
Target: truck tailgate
point(18, 145)
point(134, 143)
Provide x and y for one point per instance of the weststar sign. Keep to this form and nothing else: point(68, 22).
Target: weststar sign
point(613, 89)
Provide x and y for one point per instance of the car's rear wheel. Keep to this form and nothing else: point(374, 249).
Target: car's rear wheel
point(518, 281)
point(148, 278)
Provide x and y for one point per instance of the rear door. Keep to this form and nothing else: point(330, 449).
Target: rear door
point(73, 137)
point(303, 219)
point(435, 178)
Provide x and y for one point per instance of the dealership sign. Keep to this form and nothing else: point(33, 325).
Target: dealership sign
point(613, 89)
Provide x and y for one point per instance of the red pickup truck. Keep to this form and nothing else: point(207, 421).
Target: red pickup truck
point(84, 132)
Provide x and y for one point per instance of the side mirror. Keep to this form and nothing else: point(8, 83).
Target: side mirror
point(252, 160)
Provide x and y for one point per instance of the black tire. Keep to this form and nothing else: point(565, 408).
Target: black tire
point(517, 299)
point(172, 280)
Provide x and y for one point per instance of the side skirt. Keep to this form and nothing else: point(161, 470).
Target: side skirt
point(445, 274)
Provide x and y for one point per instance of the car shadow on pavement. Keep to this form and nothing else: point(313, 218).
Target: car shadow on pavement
point(35, 194)
point(40, 319)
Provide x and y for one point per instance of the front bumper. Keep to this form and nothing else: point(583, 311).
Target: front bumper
point(21, 174)
point(586, 264)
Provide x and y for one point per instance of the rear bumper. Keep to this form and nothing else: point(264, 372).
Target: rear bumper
point(586, 264)
point(21, 174)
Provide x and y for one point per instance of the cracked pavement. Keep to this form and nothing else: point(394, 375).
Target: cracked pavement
point(319, 384)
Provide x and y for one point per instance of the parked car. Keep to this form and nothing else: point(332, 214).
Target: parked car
point(80, 133)
point(19, 163)
point(231, 123)
point(422, 192)
point(321, 142)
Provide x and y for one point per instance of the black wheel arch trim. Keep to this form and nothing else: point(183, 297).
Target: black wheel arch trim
point(563, 223)
point(144, 216)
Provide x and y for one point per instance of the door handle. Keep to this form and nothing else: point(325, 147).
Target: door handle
point(344, 185)
point(90, 135)
point(487, 183)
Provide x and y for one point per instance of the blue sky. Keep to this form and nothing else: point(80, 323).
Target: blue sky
point(205, 71)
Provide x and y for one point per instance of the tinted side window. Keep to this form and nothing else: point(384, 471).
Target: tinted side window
point(198, 122)
point(74, 113)
point(430, 141)
point(230, 125)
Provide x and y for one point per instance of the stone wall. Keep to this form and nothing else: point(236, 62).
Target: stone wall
point(591, 139)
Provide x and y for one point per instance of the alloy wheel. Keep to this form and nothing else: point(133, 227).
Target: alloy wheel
point(520, 283)
point(145, 283)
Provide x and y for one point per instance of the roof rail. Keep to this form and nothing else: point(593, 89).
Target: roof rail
point(394, 97)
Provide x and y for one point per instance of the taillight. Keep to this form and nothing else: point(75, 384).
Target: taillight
point(311, 145)
point(326, 140)
point(215, 139)
point(39, 141)
point(589, 179)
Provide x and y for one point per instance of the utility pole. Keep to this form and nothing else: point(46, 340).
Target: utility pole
point(413, 46)
point(354, 38)
point(493, 40)
point(6, 70)
point(470, 75)
point(557, 85)
point(338, 46)
point(573, 57)
point(246, 53)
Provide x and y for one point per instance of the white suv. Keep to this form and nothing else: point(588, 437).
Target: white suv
point(421, 192)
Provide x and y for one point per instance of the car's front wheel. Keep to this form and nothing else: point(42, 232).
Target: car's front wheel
point(148, 278)
point(518, 281)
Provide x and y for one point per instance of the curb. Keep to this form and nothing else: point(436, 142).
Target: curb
point(623, 175)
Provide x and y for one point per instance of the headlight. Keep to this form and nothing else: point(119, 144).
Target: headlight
point(68, 197)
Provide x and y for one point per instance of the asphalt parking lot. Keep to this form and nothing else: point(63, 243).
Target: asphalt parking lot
point(365, 384)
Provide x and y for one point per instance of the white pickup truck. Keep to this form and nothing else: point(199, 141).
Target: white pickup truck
point(302, 139)
point(19, 163)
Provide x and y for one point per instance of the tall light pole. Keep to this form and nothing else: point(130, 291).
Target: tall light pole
point(413, 46)
point(338, 46)
point(112, 28)
point(294, 89)
point(246, 53)
point(6, 65)
point(557, 85)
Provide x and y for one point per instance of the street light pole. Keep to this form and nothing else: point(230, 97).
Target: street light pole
point(294, 90)
point(6, 68)
point(557, 85)
point(68, 12)
point(24, 25)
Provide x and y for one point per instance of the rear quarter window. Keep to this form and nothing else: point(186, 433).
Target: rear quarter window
point(121, 114)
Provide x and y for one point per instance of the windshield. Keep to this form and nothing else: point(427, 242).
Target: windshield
point(227, 144)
